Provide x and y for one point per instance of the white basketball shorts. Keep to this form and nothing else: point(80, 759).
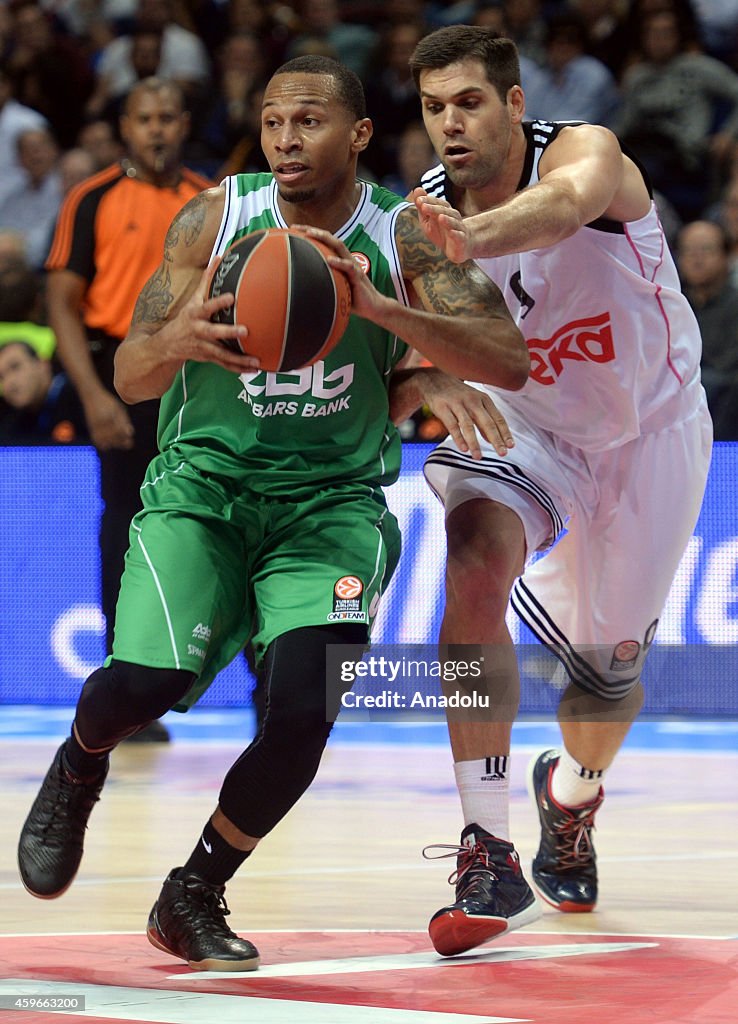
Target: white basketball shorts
point(612, 527)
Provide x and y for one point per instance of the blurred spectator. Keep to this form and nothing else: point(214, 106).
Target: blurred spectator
point(526, 25)
point(415, 155)
point(718, 23)
point(108, 241)
point(184, 58)
point(394, 11)
point(31, 207)
point(275, 25)
point(15, 118)
point(22, 313)
point(12, 248)
point(228, 117)
point(489, 14)
point(607, 38)
point(725, 213)
point(460, 12)
point(145, 58)
point(247, 154)
point(351, 43)
point(313, 46)
point(50, 70)
point(671, 222)
point(120, 14)
point(39, 405)
point(74, 166)
point(672, 102)
point(636, 13)
point(99, 139)
point(703, 259)
point(391, 97)
point(570, 85)
point(73, 17)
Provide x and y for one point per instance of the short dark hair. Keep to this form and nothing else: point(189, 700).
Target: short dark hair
point(498, 55)
point(25, 345)
point(349, 90)
point(154, 84)
point(567, 27)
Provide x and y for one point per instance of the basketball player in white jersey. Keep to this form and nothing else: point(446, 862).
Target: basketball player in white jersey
point(612, 447)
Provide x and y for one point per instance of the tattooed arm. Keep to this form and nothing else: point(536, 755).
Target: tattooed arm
point(171, 322)
point(458, 320)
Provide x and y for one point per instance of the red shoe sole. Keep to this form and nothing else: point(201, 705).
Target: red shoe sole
point(566, 906)
point(575, 908)
point(457, 932)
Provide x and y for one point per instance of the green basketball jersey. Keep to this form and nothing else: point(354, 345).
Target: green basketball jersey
point(282, 433)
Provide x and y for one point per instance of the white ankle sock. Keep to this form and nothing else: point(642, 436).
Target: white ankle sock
point(484, 790)
point(572, 784)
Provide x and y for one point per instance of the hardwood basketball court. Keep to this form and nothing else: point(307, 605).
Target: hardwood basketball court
point(338, 897)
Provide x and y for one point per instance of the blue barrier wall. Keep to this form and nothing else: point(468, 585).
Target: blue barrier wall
point(51, 624)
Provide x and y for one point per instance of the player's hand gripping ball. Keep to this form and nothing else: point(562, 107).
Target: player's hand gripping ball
point(295, 304)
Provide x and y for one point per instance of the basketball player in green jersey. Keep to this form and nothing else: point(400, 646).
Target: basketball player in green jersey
point(264, 517)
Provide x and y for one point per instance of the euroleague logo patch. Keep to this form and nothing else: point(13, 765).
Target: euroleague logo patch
point(347, 600)
point(362, 262)
point(625, 655)
point(348, 587)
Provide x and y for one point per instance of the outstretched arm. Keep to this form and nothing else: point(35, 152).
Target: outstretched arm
point(171, 322)
point(458, 321)
point(583, 176)
point(465, 412)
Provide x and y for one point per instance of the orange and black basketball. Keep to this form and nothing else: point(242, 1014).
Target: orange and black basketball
point(295, 305)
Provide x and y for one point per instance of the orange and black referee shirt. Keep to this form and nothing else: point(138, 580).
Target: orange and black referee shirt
point(111, 231)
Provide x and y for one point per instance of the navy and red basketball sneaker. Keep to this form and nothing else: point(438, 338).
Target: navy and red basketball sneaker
point(565, 867)
point(492, 896)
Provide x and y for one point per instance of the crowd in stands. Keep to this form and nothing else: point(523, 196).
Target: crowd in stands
point(662, 74)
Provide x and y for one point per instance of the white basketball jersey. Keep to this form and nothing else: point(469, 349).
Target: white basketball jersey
point(611, 336)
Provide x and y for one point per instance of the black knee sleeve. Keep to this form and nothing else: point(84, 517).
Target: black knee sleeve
point(118, 700)
point(274, 772)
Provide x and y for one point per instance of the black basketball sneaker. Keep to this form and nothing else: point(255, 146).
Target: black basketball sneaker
point(492, 897)
point(51, 841)
point(565, 867)
point(188, 921)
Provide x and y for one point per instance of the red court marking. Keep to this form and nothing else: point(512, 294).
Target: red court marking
point(37, 1017)
point(683, 980)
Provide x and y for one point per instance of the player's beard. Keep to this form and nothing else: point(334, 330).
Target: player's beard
point(477, 175)
point(298, 198)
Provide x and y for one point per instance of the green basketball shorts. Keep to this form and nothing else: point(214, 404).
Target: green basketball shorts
point(209, 568)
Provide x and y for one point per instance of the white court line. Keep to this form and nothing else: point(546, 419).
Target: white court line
point(157, 1006)
point(414, 961)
